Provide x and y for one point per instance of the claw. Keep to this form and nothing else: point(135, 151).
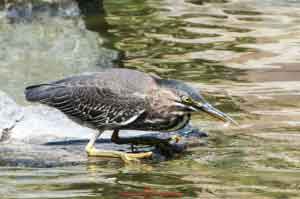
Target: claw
point(130, 158)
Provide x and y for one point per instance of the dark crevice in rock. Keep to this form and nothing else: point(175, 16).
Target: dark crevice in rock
point(94, 14)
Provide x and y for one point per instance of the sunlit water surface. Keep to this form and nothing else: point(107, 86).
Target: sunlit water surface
point(244, 56)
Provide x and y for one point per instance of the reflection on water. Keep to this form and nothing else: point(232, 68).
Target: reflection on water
point(244, 55)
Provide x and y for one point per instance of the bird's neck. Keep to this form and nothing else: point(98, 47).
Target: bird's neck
point(162, 103)
point(179, 122)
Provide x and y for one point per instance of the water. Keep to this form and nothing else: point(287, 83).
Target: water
point(244, 56)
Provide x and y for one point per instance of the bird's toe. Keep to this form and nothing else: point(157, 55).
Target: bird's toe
point(130, 158)
point(176, 138)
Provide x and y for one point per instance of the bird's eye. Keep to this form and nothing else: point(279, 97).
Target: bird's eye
point(186, 99)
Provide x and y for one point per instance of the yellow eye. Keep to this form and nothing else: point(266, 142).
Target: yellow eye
point(186, 99)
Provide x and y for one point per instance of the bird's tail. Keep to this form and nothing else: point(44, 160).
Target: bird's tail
point(39, 92)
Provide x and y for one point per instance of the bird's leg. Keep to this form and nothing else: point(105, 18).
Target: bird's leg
point(132, 147)
point(115, 136)
point(126, 157)
point(116, 139)
point(148, 139)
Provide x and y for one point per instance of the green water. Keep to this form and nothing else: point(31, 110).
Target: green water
point(244, 56)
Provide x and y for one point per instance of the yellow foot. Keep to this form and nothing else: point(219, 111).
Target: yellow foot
point(176, 138)
point(128, 158)
point(134, 157)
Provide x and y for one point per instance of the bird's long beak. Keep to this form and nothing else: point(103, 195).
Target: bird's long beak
point(215, 113)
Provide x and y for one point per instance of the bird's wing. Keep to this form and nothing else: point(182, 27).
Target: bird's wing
point(99, 106)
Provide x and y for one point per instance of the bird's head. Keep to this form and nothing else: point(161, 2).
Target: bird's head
point(186, 98)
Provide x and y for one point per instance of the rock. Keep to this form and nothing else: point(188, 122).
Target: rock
point(47, 41)
point(31, 155)
point(28, 10)
point(42, 124)
point(10, 114)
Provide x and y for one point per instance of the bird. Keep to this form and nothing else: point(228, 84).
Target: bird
point(123, 99)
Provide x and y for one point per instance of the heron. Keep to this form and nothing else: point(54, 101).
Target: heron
point(123, 99)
